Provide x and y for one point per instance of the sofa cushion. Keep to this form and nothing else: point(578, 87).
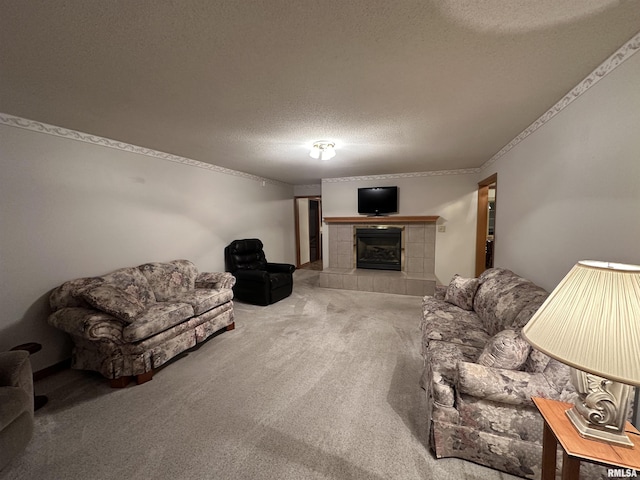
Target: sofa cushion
point(204, 299)
point(114, 301)
point(133, 282)
point(436, 326)
point(501, 297)
point(461, 291)
point(170, 279)
point(536, 299)
point(444, 312)
point(506, 349)
point(444, 321)
point(157, 318)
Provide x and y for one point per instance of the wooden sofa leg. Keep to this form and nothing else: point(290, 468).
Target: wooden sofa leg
point(231, 326)
point(144, 377)
point(119, 382)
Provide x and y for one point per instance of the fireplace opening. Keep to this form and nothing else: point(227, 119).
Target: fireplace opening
point(379, 248)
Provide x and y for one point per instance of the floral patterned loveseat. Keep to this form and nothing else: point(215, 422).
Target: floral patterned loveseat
point(480, 374)
point(128, 322)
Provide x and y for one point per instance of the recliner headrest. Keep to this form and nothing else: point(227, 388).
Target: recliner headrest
point(245, 246)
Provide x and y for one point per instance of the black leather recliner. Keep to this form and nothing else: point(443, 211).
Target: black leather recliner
point(257, 281)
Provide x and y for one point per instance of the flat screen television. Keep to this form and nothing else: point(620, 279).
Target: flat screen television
point(377, 200)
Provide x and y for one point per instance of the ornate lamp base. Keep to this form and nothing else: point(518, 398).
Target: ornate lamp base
point(601, 408)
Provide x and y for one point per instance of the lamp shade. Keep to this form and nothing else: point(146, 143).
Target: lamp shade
point(591, 321)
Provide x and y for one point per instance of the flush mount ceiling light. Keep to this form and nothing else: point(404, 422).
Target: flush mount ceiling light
point(323, 150)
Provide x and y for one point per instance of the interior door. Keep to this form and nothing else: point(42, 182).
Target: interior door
point(486, 225)
point(308, 215)
point(314, 231)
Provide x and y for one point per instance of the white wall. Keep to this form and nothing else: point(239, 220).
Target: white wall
point(452, 197)
point(571, 190)
point(70, 209)
point(307, 190)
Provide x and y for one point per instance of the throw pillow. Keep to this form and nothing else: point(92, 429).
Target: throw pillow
point(167, 280)
point(461, 291)
point(507, 349)
point(114, 301)
point(132, 281)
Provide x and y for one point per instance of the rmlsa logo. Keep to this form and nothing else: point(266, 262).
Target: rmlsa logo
point(621, 473)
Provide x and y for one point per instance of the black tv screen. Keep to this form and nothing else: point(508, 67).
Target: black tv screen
point(377, 200)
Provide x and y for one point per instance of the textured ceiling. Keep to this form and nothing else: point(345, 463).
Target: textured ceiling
point(404, 86)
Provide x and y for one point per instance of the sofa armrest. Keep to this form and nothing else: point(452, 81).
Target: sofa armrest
point(215, 280)
point(440, 292)
point(280, 268)
point(90, 324)
point(259, 276)
point(15, 370)
point(513, 387)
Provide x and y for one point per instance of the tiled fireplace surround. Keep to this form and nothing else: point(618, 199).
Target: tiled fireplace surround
point(419, 244)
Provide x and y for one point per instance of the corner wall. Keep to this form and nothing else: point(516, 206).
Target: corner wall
point(70, 209)
point(571, 190)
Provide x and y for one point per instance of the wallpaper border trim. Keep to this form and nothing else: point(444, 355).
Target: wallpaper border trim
point(615, 60)
point(435, 173)
point(19, 122)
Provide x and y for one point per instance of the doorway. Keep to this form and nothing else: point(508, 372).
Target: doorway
point(308, 212)
point(486, 226)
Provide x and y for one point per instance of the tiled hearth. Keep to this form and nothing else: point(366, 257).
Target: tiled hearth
point(419, 245)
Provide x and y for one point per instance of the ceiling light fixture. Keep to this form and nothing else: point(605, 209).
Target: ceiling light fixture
point(323, 150)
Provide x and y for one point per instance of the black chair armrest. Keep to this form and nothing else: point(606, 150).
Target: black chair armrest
point(280, 268)
point(251, 275)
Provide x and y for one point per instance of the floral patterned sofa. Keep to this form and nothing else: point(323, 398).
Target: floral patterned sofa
point(480, 374)
point(133, 320)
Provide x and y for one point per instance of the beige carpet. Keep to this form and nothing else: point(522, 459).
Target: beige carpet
point(322, 385)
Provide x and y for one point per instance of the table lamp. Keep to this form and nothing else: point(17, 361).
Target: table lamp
point(591, 322)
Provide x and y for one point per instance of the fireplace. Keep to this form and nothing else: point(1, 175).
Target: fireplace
point(417, 256)
point(379, 248)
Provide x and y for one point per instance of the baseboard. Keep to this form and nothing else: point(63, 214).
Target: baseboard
point(46, 372)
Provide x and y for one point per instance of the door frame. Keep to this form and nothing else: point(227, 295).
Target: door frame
point(297, 223)
point(482, 222)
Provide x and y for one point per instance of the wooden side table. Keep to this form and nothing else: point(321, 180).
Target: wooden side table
point(558, 428)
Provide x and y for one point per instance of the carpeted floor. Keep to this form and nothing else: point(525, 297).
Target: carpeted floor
point(322, 385)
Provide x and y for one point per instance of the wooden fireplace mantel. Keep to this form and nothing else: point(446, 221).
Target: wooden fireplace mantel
point(385, 220)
